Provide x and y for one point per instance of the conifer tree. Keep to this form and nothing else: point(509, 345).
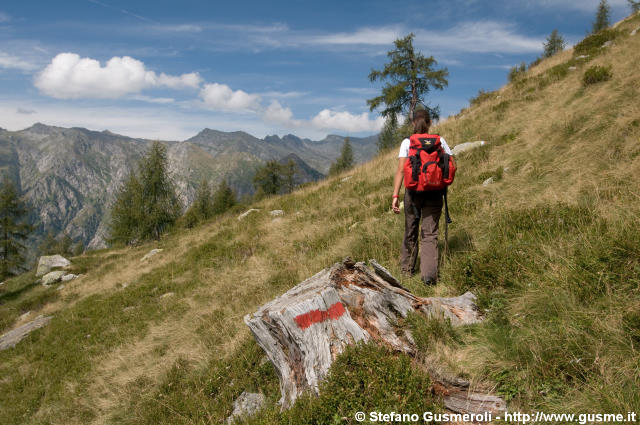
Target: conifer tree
point(345, 161)
point(223, 198)
point(146, 205)
point(634, 5)
point(268, 178)
point(50, 245)
point(389, 134)
point(554, 44)
point(202, 206)
point(602, 17)
point(411, 76)
point(288, 175)
point(126, 212)
point(14, 229)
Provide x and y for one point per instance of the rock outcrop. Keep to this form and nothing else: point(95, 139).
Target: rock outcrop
point(247, 404)
point(305, 329)
point(53, 277)
point(463, 147)
point(11, 338)
point(151, 254)
point(49, 262)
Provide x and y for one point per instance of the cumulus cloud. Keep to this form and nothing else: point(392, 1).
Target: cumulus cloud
point(69, 76)
point(221, 97)
point(276, 113)
point(326, 119)
point(346, 121)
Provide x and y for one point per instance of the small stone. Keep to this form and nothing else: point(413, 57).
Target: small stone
point(344, 179)
point(635, 31)
point(354, 225)
point(68, 277)
point(606, 44)
point(52, 277)
point(276, 213)
point(246, 213)
point(129, 308)
point(572, 68)
point(151, 253)
point(24, 316)
point(2, 283)
point(247, 404)
point(167, 295)
point(582, 57)
point(264, 360)
point(488, 181)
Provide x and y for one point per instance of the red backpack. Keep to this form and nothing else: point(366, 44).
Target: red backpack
point(428, 166)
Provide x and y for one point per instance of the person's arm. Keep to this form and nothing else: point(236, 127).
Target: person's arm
point(446, 148)
point(397, 182)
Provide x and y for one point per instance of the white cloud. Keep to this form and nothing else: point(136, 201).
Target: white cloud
point(326, 119)
point(467, 37)
point(8, 61)
point(346, 121)
point(221, 97)
point(69, 76)
point(582, 5)
point(276, 113)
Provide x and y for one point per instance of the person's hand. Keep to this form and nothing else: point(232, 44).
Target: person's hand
point(395, 205)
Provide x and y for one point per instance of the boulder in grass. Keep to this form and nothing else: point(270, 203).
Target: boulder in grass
point(151, 253)
point(467, 146)
point(52, 277)
point(306, 328)
point(247, 404)
point(68, 277)
point(49, 262)
point(276, 213)
point(247, 212)
point(11, 338)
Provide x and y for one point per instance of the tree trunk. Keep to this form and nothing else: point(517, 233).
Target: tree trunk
point(305, 329)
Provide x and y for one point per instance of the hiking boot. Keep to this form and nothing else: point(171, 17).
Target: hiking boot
point(429, 281)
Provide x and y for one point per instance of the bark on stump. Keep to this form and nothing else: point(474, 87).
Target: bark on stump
point(304, 330)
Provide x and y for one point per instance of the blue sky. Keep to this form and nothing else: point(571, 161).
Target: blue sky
point(166, 69)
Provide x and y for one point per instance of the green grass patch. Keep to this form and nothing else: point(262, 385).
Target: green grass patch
point(596, 74)
point(591, 45)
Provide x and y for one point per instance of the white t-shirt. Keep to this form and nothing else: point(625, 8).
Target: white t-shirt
point(404, 147)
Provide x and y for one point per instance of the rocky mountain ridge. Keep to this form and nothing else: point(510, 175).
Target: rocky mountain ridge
point(70, 175)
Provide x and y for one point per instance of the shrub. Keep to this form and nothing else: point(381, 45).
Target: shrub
point(592, 43)
point(481, 97)
point(517, 71)
point(596, 74)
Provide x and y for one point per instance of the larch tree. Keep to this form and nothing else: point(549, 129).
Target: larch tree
point(555, 43)
point(14, 229)
point(409, 76)
point(602, 17)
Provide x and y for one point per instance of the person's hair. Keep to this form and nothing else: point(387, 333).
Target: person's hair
point(421, 121)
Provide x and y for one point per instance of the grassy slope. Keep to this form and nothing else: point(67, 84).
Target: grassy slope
point(550, 248)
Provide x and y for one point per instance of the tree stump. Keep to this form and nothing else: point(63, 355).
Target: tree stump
point(304, 330)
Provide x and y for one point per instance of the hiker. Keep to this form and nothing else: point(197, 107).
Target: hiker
point(423, 205)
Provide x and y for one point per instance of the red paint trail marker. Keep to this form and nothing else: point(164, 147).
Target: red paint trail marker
point(315, 316)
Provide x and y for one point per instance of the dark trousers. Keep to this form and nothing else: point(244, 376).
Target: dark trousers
point(421, 209)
